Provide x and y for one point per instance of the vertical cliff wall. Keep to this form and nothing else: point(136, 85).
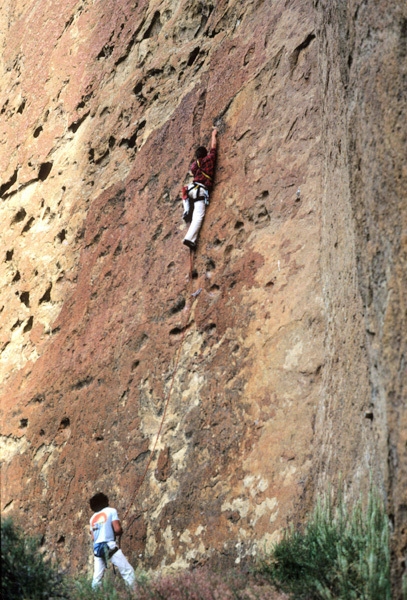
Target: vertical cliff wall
point(363, 258)
point(270, 371)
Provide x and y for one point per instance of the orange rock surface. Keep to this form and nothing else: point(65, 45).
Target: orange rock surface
point(287, 369)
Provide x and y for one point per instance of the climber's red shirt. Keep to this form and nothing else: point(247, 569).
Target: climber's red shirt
point(203, 169)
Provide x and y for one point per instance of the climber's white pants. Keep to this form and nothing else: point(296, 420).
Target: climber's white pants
point(118, 560)
point(197, 218)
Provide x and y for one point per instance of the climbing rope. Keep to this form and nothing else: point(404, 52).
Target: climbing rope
point(191, 263)
point(167, 401)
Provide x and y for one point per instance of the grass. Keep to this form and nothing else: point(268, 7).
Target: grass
point(340, 554)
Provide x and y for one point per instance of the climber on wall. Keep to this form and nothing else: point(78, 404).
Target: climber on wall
point(195, 196)
point(104, 528)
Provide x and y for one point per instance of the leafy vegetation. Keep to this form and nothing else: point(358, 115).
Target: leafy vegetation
point(111, 588)
point(24, 571)
point(26, 575)
point(339, 554)
point(198, 584)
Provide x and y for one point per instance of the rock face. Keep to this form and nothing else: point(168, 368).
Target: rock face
point(364, 248)
point(213, 408)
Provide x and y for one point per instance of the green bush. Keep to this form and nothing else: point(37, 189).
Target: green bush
point(340, 554)
point(25, 574)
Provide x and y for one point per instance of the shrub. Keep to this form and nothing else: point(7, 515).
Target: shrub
point(340, 554)
point(198, 584)
point(204, 584)
point(25, 574)
point(81, 589)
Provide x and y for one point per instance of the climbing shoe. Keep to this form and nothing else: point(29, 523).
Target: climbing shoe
point(191, 245)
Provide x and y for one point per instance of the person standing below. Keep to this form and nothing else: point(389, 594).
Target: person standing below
point(196, 195)
point(104, 528)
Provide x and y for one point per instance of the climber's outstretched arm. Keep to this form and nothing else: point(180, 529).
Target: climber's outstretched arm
point(214, 139)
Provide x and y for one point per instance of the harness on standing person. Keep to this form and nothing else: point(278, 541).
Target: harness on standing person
point(103, 551)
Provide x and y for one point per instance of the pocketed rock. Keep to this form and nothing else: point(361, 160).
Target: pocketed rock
point(286, 371)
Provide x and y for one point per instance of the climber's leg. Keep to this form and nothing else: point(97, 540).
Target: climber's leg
point(197, 218)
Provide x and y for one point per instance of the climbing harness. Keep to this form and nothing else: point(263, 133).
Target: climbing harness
point(167, 401)
point(192, 193)
point(197, 191)
point(102, 550)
